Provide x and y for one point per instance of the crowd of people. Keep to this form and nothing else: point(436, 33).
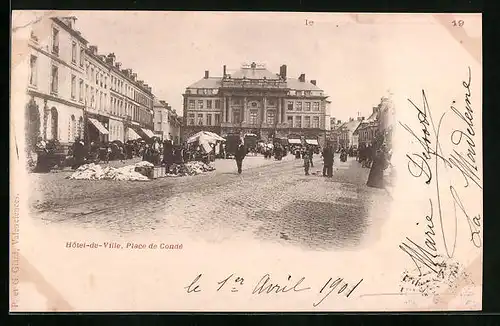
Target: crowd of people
point(375, 156)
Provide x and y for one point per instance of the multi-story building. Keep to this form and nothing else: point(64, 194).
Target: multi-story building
point(335, 132)
point(368, 129)
point(255, 100)
point(381, 122)
point(347, 137)
point(55, 103)
point(166, 122)
point(74, 92)
point(100, 126)
point(129, 101)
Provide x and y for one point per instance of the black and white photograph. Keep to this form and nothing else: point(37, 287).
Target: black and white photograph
point(245, 161)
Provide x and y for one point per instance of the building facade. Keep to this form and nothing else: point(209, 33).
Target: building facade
point(131, 103)
point(255, 100)
point(368, 129)
point(347, 136)
point(74, 92)
point(55, 96)
point(166, 122)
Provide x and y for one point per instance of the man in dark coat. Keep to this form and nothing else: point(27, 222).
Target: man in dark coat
point(328, 161)
point(168, 155)
point(239, 155)
point(310, 151)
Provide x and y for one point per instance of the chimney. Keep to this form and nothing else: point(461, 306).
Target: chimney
point(133, 76)
point(118, 65)
point(302, 78)
point(224, 71)
point(93, 49)
point(339, 122)
point(69, 21)
point(111, 59)
point(283, 72)
point(206, 74)
point(313, 82)
point(362, 118)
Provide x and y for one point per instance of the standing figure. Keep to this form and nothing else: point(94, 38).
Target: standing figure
point(167, 155)
point(311, 154)
point(328, 161)
point(307, 161)
point(240, 155)
point(376, 176)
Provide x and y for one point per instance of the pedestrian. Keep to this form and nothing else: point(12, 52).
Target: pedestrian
point(328, 157)
point(311, 154)
point(167, 155)
point(307, 162)
point(240, 155)
point(376, 176)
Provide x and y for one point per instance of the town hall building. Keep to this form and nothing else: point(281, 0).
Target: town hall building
point(257, 101)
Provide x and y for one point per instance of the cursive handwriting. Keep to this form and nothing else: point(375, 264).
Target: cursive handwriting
point(421, 257)
point(266, 286)
point(474, 223)
point(429, 161)
point(333, 285)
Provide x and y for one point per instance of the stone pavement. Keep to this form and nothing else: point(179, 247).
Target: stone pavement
point(271, 200)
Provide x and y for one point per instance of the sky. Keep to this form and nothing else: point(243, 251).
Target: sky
point(355, 60)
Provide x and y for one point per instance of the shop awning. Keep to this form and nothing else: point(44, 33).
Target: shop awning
point(148, 132)
point(132, 135)
point(312, 141)
point(99, 126)
point(294, 141)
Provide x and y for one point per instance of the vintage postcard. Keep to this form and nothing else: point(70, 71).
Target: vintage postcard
point(245, 161)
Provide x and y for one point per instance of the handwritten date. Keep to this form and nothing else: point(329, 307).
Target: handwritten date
point(267, 286)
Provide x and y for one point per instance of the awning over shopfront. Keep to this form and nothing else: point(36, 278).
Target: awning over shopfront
point(294, 141)
point(148, 132)
point(312, 141)
point(99, 126)
point(132, 135)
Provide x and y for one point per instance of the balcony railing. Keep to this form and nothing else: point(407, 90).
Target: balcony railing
point(253, 83)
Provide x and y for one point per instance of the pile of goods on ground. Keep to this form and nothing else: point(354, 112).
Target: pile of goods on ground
point(141, 171)
point(96, 172)
point(190, 168)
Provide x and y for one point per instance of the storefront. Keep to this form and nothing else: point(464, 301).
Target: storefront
point(116, 130)
point(97, 129)
point(144, 133)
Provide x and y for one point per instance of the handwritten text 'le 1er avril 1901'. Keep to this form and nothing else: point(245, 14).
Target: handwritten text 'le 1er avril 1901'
point(267, 286)
point(429, 162)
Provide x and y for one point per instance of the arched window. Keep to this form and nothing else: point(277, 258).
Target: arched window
point(72, 125)
point(80, 128)
point(54, 123)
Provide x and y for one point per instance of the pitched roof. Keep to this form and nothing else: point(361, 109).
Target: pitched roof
point(210, 82)
point(296, 84)
point(254, 73)
point(351, 125)
point(157, 102)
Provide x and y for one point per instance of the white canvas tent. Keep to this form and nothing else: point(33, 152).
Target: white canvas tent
point(206, 139)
